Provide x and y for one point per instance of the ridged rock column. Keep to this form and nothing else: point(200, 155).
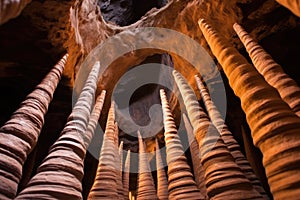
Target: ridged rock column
point(61, 173)
point(146, 187)
point(180, 177)
point(223, 178)
point(94, 118)
point(231, 143)
point(162, 181)
point(120, 169)
point(105, 184)
point(196, 158)
point(19, 135)
point(126, 176)
point(271, 71)
point(275, 128)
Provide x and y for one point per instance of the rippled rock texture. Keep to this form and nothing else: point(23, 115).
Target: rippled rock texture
point(45, 30)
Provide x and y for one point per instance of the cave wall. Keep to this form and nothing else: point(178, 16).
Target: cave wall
point(45, 30)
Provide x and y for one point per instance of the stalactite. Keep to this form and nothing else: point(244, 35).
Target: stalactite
point(60, 174)
point(10, 9)
point(196, 158)
point(105, 184)
point(223, 178)
point(292, 5)
point(162, 181)
point(94, 118)
point(146, 188)
point(19, 135)
point(120, 169)
point(228, 138)
point(180, 177)
point(126, 176)
point(270, 119)
point(271, 71)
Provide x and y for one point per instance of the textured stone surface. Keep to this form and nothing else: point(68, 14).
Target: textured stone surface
point(35, 40)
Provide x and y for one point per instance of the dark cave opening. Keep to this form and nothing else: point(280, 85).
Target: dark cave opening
point(126, 12)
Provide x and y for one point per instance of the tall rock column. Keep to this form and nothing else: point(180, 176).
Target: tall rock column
point(61, 173)
point(146, 187)
point(275, 128)
point(126, 176)
point(94, 118)
point(223, 177)
point(180, 177)
point(228, 138)
point(196, 158)
point(162, 181)
point(19, 135)
point(271, 71)
point(105, 184)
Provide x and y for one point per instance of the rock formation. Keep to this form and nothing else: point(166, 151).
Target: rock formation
point(251, 129)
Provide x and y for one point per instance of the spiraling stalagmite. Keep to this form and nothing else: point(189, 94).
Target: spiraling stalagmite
point(162, 181)
point(180, 177)
point(275, 128)
point(196, 158)
point(126, 176)
point(19, 135)
point(223, 178)
point(231, 143)
point(195, 113)
point(120, 170)
point(61, 173)
point(116, 135)
point(11, 8)
point(146, 187)
point(271, 71)
point(94, 118)
point(105, 184)
point(292, 5)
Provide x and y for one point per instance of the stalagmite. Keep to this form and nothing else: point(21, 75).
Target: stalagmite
point(94, 118)
point(105, 184)
point(120, 169)
point(195, 113)
point(228, 138)
point(292, 5)
point(224, 179)
point(11, 8)
point(146, 187)
point(19, 135)
point(196, 158)
point(271, 71)
point(180, 177)
point(162, 181)
point(126, 176)
point(60, 174)
point(270, 119)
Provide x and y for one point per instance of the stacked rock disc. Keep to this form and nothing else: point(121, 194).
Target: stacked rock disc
point(61, 173)
point(126, 176)
point(228, 138)
point(162, 181)
point(105, 184)
point(180, 177)
point(19, 135)
point(146, 187)
point(223, 177)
